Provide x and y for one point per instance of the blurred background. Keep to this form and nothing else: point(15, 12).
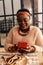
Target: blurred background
point(8, 9)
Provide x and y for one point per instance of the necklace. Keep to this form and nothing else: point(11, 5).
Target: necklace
point(22, 33)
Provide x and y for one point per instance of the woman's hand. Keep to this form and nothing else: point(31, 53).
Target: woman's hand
point(12, 48)
point(30, 49)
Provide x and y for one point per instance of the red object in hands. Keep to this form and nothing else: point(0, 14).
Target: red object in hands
point(22, 45)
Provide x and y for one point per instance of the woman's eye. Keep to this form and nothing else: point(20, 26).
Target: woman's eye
point(19, 20)
point(25, 20)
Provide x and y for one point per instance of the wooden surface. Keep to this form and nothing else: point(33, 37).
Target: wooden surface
point(39, 54)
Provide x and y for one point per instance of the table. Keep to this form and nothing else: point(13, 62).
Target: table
point(39, 55)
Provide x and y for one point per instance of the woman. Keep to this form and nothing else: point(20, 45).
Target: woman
point(24, 33)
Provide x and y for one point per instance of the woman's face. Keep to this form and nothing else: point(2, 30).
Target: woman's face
point(23, 21)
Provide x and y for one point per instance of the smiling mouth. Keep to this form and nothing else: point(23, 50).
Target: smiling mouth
point(24, 26)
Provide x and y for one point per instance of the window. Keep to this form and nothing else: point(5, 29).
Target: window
point(8, 9)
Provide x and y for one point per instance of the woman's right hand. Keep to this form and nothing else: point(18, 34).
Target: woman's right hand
point(12, 48)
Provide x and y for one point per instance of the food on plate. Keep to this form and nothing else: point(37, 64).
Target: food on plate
point(17, 60)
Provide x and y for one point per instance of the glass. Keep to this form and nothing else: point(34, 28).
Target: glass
point(1, 8)
point(40, 20)
point(39, 6)
point(17, 5)
point(8, 7)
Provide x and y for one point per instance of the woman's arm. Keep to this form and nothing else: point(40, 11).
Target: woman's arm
point(9, 46)
point(39, 38)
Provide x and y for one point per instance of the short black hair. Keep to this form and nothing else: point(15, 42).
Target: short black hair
point(23, 10)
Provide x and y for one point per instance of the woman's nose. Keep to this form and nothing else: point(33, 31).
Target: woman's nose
point(23, 22)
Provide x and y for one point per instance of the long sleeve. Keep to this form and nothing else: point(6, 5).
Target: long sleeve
point(9, 40)
point(39, 39)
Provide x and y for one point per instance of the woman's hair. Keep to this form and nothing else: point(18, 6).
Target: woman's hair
point(23, 10)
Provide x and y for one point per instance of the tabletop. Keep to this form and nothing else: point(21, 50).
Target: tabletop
point(35, 58)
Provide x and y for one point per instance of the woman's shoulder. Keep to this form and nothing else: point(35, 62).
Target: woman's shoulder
point(15, 27)
point(34, 27)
